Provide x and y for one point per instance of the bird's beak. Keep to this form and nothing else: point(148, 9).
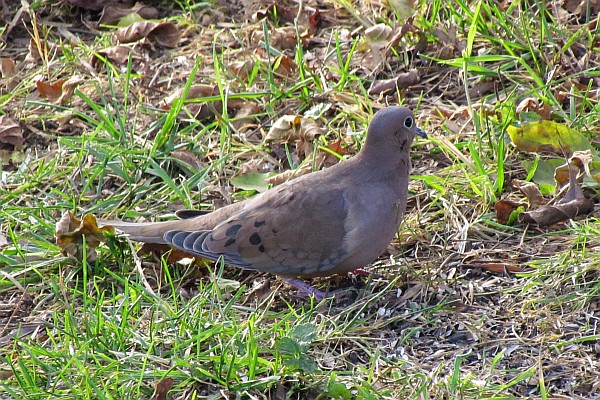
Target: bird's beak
point(421, 132)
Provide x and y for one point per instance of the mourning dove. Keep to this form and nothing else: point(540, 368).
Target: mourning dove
point(328, 222)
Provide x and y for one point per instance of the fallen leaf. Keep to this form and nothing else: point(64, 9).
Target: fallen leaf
point(188, 160)
point(531, 191)
point(574, 203)
point(244, 117)
point(508, 211)
point(243, 69)
point(7, 67)
point(548, 136)
point(496, 267)
point(11, 133)
point(68, 88)
point(50, 90)
point(71, 234)
point(583, 163)
point(533, 105)
point(283, 38)
point(403, 8)
point(193, 101)
point(112, 15)
point(117, 55)
point(377, 38)
point(315, 20)
point(294, 127)
point(165, 34)
point(92, 4)
point(389, 86)
point(285, 67)
point(162, 389)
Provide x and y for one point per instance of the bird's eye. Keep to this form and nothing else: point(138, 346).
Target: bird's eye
point(408, 122)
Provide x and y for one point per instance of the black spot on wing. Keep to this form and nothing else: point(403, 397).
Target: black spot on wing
point(258, 224)
point(233, 230)
point(255, 239)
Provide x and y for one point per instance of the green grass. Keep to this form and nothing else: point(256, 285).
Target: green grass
point(428, 324)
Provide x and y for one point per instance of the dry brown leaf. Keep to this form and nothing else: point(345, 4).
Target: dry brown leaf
point(188, 158)
point(7, 67)
point(285, 67)
point(162, 389)
point(283, 38)
point(377, 38)
point(294, 127)
point(243, 69)
point(532, 104)
point(389, 86)
point(50, 90)
point(574, 203)
point(531, 191)
point(92, 4)
point(504, 208)
point(10, 133)
point(496, 267)
point(71, 234)
point(579, 163)
point(165, 34)
point(68, 88)
point(112, 15)
point(244, 116)
point(198, 110)
point(117, 55)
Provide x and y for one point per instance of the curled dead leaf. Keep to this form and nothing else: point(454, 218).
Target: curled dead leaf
point(112, 15)
point(581, 163)
point(294, 127)
point(507, 211)
point(7, 67)
point(162, 389)
point(92, 4)
point(71, 233)
point(11, 133)
point(496, 267)
point(165, 34)
point(548, 215)
point(377, 38)
point(402, 81)
point(50, 90)
point(117, 55)
point(243, 119)
point(574, 203)
point(68, 88)
point(531, 191)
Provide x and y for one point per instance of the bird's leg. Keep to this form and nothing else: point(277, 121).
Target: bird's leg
point(360, 272)
point(306, 288)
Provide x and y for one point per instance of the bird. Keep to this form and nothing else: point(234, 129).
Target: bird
point(328, 222)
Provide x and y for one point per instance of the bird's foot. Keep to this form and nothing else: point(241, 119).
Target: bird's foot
point(360, 272)
point(306, 289)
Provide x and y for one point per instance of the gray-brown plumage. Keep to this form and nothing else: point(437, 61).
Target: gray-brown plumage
point(328, 222)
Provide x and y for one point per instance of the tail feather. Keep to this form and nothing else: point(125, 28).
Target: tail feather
point(153, 232)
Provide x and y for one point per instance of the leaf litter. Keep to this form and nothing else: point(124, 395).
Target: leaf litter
point(444, 293)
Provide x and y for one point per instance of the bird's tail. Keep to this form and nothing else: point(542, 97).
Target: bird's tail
point(145, 232)
point(190, 220)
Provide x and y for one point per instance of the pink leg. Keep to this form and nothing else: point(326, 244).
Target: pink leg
point(306, 288)
point(360, 272)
